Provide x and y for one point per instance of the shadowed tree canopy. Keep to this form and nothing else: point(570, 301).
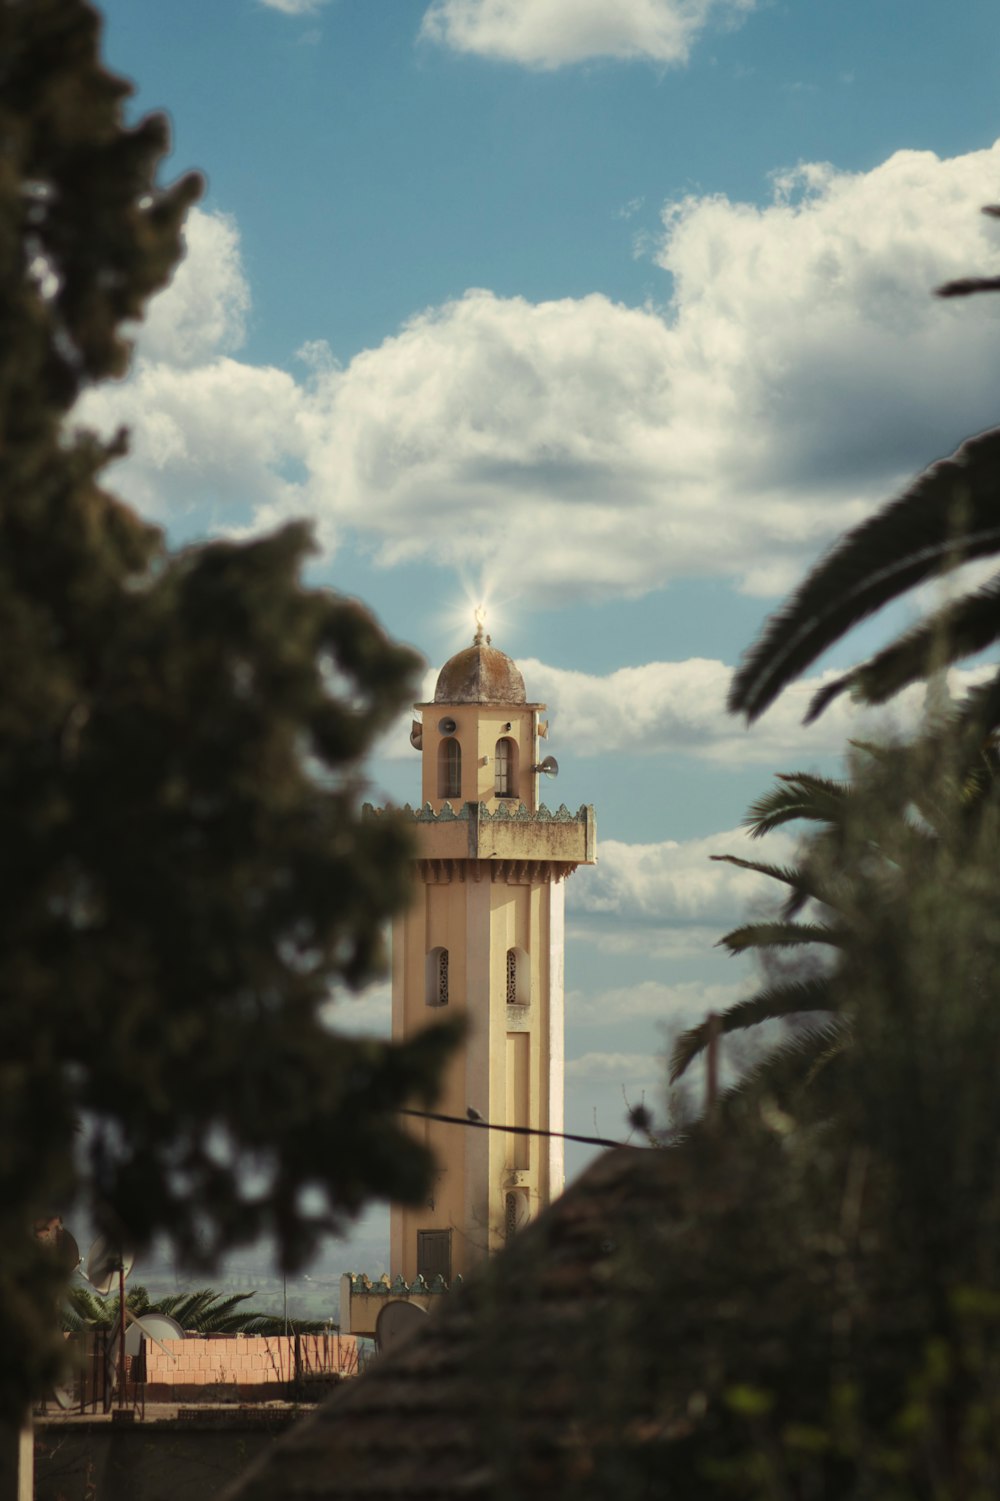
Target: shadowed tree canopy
point(186, 876)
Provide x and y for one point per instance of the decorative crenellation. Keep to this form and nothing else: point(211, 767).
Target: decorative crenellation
point(397, 1288)
point(482, 814)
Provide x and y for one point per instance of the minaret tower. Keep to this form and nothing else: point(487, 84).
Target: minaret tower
point(484, 938)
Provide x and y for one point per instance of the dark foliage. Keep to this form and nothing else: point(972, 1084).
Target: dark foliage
point(185, 873)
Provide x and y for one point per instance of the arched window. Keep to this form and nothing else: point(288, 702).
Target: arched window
point(518, 978)
point(436, 983)
point(449, 768)
point(505, 762)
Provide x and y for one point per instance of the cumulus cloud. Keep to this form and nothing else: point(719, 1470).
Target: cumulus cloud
point(367, 1014)
point(551, 33)
point(203, 315)
point(676, 1006)
point(642, 1067)
point(294, 7)
point(679, 708)
point(675, 882)
point(208, 433)
point(798, 373)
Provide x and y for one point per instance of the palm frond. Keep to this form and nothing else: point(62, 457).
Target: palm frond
point(775, 1001)
point(967, 286)
point(274, 1324)
point(960, 629)
point(950, 515)
point(798, 794)
point(781, 1078)
point(757, 935)
point(84, 1309)
point(206, 1310)
point(801, 879)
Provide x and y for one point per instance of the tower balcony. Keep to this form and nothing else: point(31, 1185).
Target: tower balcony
point(511, 844)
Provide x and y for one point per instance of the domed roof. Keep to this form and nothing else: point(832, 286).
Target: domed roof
point(479, 675)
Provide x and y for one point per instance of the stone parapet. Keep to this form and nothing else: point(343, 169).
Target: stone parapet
point(361, 1300)
point(521, 845)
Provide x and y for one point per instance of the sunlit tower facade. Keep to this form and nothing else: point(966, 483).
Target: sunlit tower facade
point(484, 938)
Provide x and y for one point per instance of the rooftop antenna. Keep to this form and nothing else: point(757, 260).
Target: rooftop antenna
point(104, 1262)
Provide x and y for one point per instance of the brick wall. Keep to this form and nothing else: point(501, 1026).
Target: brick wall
point(245, 1368)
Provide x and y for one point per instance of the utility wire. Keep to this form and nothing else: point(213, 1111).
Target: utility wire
point(461, 1120)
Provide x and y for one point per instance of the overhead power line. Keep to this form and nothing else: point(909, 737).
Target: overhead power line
point(481, 1125)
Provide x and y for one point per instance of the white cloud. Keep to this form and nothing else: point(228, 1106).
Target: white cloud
point(294, 7)
point(628, 1068)
point(585, 449)
point(207, 439)
point(551, 33)
point(367, 1014)
point(203, 314)
point(660, 945)
point(679, 708)
point(675, 1006)
point(676, 883)
point(209, 433)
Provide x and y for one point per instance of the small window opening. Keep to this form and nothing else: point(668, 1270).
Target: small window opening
point(449, 768)
point(505, 768)
point(437, 977)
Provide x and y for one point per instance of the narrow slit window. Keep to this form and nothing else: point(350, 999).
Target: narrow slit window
point(437, 977)
point(515, 1213)
point(449, 768)
point(518, 987)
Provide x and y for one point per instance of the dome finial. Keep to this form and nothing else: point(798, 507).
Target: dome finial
point(480, 637)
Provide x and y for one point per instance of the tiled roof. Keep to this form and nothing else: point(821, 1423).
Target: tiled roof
point(495, 1390)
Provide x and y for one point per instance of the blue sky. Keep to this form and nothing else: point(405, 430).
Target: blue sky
point(613, 312)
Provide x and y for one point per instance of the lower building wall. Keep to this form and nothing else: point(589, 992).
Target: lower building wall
point(146, 1461)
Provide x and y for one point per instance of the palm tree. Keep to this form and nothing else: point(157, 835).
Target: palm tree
point(901, 805)
point(809, 884)
point(950, 515)
point(204, 1311)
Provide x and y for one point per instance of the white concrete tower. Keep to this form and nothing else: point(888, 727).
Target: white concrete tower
point(484, 938)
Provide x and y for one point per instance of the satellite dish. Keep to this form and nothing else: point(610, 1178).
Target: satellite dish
point(548, 768)
point(153, 1326)
point(397, 1322)
point(104, 1262)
